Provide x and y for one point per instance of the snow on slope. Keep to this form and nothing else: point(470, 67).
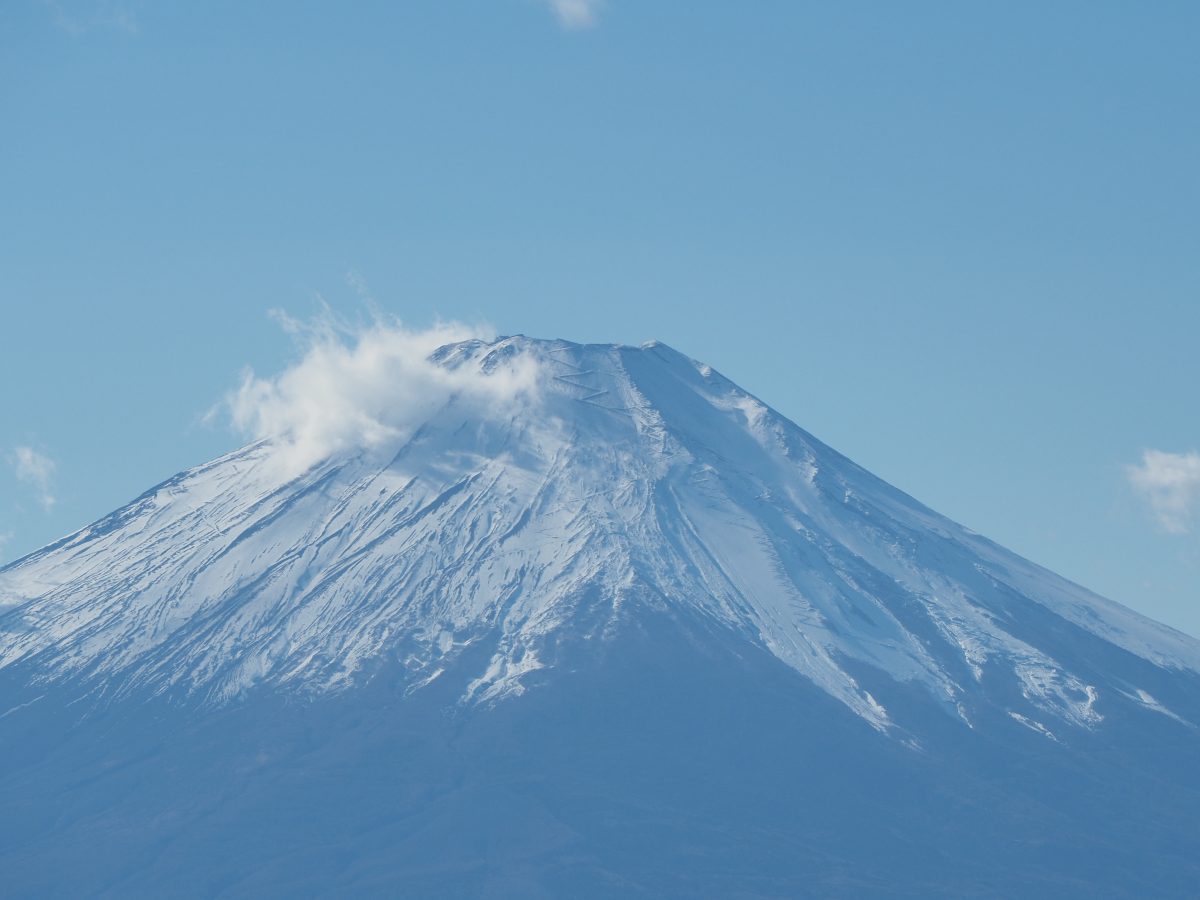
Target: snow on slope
point(630, 477)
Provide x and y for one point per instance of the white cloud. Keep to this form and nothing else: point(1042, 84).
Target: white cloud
point(575, 14)
point(360, 387)
point(1170, 483)
point(36, 470)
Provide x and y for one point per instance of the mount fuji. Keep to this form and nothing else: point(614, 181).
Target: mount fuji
point(590, 621)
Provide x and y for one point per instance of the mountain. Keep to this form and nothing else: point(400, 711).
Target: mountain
point(625, 631)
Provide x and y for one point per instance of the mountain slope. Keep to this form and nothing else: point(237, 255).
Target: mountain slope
point(635, 476)
point(626, 563)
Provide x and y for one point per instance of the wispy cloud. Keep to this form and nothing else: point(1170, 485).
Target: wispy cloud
point(358, 284)
point(36, 470)
point(1170, 484)
point(575, 14)
point(77, 17)
point(359, 387)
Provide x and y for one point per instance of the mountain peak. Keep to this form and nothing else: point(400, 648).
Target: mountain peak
point(549, 496)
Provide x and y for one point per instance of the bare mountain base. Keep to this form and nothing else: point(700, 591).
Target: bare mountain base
point(664, 763)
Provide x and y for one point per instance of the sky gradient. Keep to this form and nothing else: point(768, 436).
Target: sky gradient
point(956, 243)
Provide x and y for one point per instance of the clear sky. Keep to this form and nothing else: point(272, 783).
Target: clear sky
point(958, 242)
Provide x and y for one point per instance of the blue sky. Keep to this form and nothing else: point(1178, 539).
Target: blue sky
point(956, 242)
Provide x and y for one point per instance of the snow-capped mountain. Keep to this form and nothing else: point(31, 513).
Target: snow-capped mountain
point(631, 477)
point(495, 550)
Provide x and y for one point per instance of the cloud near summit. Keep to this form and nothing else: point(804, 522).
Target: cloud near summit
point(358, 387)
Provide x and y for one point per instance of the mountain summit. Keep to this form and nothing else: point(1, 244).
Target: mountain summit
point(562, 545)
